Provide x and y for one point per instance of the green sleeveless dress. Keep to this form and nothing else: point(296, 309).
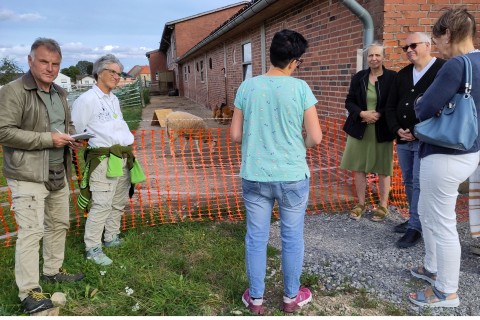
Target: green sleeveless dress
point(368, 155)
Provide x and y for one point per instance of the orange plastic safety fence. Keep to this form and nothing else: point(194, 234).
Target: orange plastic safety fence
point(200, 186)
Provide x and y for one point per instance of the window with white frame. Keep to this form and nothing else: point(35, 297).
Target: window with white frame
point(247, 60)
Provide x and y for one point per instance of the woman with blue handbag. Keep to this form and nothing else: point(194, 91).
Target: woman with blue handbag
point(443, 169)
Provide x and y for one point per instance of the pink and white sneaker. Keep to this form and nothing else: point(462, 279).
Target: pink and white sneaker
point(254, 305)
point(303, 297)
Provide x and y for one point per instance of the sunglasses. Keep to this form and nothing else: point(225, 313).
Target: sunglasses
point(412, 46)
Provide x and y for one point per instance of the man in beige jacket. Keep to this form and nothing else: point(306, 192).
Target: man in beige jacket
point(34, 115)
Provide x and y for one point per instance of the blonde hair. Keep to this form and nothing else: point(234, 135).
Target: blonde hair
point(459, 22)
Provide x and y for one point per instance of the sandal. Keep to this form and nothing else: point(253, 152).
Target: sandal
point(357, 211)
point(424, 274)
point(379, 214)
point(435, 299)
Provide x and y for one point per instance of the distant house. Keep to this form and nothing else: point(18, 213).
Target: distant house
point(64, 82)
point(142, 73)
point(126, 79)
point(85, 81)
point(178, 37)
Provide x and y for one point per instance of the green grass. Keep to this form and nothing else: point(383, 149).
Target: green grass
point(132, 115)
point(180, 269)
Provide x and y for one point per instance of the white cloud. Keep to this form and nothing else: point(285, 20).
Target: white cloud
point(109, 48)
point(73, 52)
point(8, 15)
point(17, 52)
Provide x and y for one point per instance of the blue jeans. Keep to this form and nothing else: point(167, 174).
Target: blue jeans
point(410, 165)
point(259, 198)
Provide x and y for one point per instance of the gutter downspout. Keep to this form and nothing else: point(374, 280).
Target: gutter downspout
point(366, 19)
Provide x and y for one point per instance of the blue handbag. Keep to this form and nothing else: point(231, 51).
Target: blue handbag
point(456, 127)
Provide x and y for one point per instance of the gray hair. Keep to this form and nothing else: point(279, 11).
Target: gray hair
point(425, 37)
point(374, 44)
point(50, 44)
point(102, 62)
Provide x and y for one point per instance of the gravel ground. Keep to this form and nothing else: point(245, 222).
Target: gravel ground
point(363, 254)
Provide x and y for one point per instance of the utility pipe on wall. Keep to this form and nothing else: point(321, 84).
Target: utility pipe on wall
point(366, 19)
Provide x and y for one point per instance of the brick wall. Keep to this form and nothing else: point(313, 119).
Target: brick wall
point(403, 17)
point(188, 33)
point(157, 63)
point(334, 35)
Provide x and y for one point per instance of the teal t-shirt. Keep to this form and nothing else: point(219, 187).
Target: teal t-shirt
point(273, 147)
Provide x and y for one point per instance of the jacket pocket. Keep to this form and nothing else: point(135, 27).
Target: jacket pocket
point(18, 158)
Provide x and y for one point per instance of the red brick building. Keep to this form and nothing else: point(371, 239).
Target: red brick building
point(158, 64)
point(180, 35)
point(214, 68)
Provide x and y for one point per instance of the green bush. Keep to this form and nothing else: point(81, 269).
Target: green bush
point(146, 96)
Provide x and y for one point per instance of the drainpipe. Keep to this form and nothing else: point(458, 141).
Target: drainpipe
point(366, 19)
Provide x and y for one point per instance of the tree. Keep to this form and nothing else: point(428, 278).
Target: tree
point(71, 72)
point(85, 67)
point(8, 69)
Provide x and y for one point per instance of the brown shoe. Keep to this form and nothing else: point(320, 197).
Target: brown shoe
point(379, 214)
point(357, 211)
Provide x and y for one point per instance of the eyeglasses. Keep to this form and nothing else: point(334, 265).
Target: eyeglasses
point(113, 73)
point(299, 62)
point(412, 46)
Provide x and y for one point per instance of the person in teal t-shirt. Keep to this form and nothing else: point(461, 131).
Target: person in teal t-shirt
point(270, 113)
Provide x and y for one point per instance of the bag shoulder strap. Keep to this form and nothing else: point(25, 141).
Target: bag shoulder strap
point(468, 73)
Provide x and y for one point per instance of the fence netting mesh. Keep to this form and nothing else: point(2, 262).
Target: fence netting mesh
point(204, 186)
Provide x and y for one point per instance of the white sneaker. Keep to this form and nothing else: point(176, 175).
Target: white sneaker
point(96, 255)
point(115, 242)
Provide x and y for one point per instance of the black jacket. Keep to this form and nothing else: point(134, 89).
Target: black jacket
point(399, 109)
point(357, 101)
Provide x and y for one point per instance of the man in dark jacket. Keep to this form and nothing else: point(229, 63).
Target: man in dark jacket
point(34, 115)
point(410, 82)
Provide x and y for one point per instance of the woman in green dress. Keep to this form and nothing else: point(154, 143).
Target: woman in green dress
point(369, 147)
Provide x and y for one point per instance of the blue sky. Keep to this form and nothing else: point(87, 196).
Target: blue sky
point(88, 29)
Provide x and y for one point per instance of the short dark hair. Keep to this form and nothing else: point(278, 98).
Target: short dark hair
point(459, 21)
point(50, 44)
point(286, 46)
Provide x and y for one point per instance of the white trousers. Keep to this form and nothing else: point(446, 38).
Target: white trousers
point(109, 197)
point(474, 203)
point(440, 177)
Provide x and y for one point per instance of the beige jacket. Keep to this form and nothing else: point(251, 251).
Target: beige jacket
point(25, 133)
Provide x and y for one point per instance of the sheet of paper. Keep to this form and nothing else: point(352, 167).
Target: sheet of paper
point(83, 136)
